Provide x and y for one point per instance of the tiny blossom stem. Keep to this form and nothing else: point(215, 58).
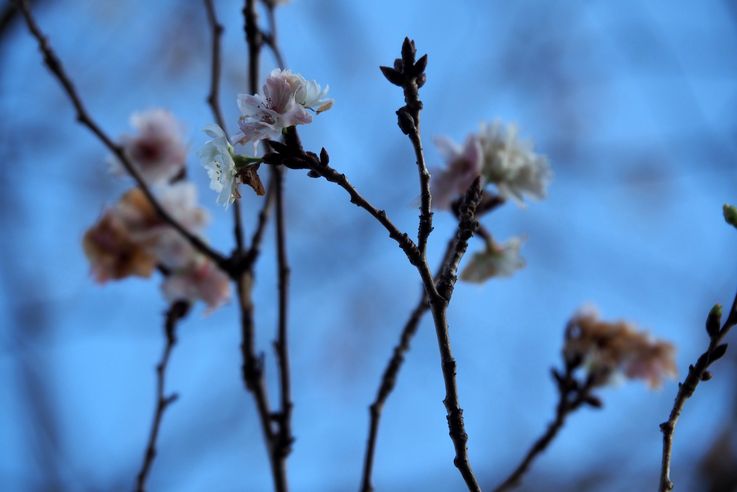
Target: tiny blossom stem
point(213, 99)
point(175, 313)
point(569, 401)
point(696, 373)
point(55, 67)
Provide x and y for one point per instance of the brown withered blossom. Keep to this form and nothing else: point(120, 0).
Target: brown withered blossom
point(612, 349)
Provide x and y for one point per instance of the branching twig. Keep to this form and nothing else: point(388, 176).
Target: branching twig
point(696, 373)
point(572, 395)
point(409, 74)
point(285, 438)
point(279, 440)
point(270, 39)
point(176, 312)
point(213, 99)
point(388, 380)
point(389, 377)
point(55, 67)
point(292, 155)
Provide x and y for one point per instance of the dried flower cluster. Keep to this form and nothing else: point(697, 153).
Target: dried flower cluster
point(131, 239)
point(610, 350)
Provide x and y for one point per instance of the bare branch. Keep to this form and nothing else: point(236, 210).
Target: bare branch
point(174, 314)
point(696, 373)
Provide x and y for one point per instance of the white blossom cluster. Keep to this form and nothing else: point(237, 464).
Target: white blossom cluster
point(500, 158)
point(287, 99)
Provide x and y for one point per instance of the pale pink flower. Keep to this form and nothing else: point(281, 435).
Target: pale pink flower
point(157, 150)
point(497, 260)
point(200, 280)
point(611, 350)
point(285, 101)
point(463, 166)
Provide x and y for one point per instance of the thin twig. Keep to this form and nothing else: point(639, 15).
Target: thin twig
point(174, 314)
point(696, 373)
point(213, 100)
point(391, 372)
point(281, 345)
point(253, 378)
point(487, 204)
point(572, 395)
point(278, 441)
point(295, 157)
point(263, 218)
point(409, 74)
point(54, 65)
point(271, 39)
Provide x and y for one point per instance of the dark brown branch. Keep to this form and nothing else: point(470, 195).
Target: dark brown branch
point(439, 298)
point(409, 74)
point(270, 39)
point(253, 378)
point(281, 345)
point(174, 314)
point(696, 373)
point(278, 441)
point(572, 395)
point(213, 100)
point(55, 67)
point(467, 226)
point(213, 97)
point(263, 218)
point(391, 372)
point(293, 156)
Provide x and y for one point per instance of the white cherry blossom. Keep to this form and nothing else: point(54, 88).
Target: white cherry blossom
point(217, 158)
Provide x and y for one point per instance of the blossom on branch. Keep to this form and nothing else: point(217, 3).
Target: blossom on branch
point(157, 151)
point(217, 158)
point(610, 350)
point(286, 100)
point(499, 157)
point(511, 164)
point(199, 280)
point(497, 260)
point(463, 167)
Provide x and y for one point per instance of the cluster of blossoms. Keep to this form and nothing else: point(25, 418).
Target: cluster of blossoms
point(499, 158)
point(287, 99)
point(130, 238)
point(613, 350)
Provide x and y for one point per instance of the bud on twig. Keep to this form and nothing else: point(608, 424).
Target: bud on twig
point(730, 214)
point(714, 321)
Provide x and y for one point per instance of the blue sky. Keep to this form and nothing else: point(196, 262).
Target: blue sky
point(633, 104)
